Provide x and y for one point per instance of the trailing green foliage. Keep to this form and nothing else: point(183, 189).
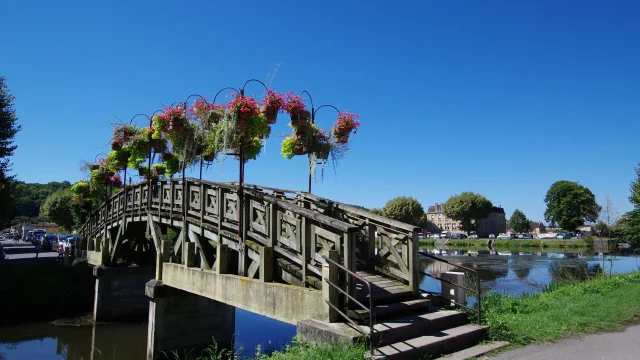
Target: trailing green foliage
point(563, 310)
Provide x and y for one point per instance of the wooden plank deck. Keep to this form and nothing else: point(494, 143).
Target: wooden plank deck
point(382, 287)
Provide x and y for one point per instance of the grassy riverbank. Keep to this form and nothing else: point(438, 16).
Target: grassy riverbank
point(43, 291)
point(510, 244)
point(594, 305)
point(294, 351)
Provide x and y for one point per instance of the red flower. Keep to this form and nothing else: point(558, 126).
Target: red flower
point(244, 104)
point(273, 98)
point(293, 103)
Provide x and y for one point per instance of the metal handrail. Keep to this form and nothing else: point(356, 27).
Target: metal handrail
point(369, 310)
point(478, 290)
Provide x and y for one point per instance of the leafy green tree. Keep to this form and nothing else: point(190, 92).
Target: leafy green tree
point(8, 130)
point(602, 228)
point(629, 225)
point(405, 209)
point(519, 223)
point(570, 204)
point(58, 208)
point(468, 208)
point(30, 197)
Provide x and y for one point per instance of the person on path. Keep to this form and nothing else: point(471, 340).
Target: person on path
point(38, 247)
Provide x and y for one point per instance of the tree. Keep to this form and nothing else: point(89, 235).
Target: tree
point(609, 215)
point(570, 204)
point(58, 208)
point(468, 208)
point(405, 209)
point(30, 197)
point(629, 225)
point(518, 222)
point(8, 130)
point(602, 228)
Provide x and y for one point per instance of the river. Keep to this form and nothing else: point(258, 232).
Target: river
point(513, 271)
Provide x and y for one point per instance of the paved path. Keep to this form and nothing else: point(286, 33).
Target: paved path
point(623, 345)
point(18, 252)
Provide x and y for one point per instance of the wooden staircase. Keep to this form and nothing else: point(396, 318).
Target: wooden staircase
point(410, 328)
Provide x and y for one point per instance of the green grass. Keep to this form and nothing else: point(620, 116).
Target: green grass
point(42, 291)
point(294, 351)
point(509, 244)
point(594, 305)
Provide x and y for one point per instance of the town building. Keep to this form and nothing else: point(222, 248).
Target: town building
point(495, 223)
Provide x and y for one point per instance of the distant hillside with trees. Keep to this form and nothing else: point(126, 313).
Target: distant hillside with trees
point(30, 197)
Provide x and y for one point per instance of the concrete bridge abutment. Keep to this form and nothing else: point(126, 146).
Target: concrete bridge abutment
point(185, 322)
point(120, 293)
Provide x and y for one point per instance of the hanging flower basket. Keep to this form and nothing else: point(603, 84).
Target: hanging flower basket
point(299, 116)
point(142, 171)
point(209, 157)
point(177, 123)
point(271, 104)
point(94, 167)
point(116, 146)
point(270, 112)
point(299, 148)
point(341, 139)
point(234, 151)
point(158, 145)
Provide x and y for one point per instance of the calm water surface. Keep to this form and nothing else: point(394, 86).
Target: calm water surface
point(516, 272)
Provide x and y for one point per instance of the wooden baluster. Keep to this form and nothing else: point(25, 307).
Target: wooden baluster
point(414, 265)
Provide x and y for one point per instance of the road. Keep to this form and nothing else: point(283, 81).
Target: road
point(622, 345)
point(19, 252)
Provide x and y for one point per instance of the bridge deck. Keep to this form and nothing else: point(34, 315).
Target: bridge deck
point(382, 288)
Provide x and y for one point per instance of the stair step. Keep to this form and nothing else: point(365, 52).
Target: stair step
point(413, 325)
point(439, 342)
point(475, 351)
point(385, 310)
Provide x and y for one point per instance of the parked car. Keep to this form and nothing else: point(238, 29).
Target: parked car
point(525, 236)
point(50, 242)
point(444, 235)
point(473, 236)
point(563, 236)
point(69, 242)
point(422, 236)
point(458, 236)
point(492, 236)
point(505, 236)
point(435, 236)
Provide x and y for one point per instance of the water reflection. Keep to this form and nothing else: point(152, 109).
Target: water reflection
point(527, 271)
point(124, 341)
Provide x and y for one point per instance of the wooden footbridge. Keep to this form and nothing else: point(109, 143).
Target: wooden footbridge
point(337, 271)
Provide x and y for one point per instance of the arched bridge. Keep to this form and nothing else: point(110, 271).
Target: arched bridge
point(288, 255)
point(281, 240)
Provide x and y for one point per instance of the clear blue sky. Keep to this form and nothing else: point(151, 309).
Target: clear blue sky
point(497, 97)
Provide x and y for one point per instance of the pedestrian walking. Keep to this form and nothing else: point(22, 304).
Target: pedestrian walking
point(38, 247)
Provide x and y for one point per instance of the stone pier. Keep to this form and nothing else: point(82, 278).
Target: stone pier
point(185, 322)
point(119, 293)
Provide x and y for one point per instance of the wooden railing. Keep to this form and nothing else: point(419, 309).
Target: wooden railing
point(289, 231)
point(388, 245)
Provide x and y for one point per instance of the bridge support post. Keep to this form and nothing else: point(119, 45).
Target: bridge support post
point(119, 293)
point(329, 292)
point(182, 321)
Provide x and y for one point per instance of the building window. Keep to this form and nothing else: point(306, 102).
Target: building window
point(439, 217)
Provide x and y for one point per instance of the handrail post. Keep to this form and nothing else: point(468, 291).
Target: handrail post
point(330, 294)
point(414, 264)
